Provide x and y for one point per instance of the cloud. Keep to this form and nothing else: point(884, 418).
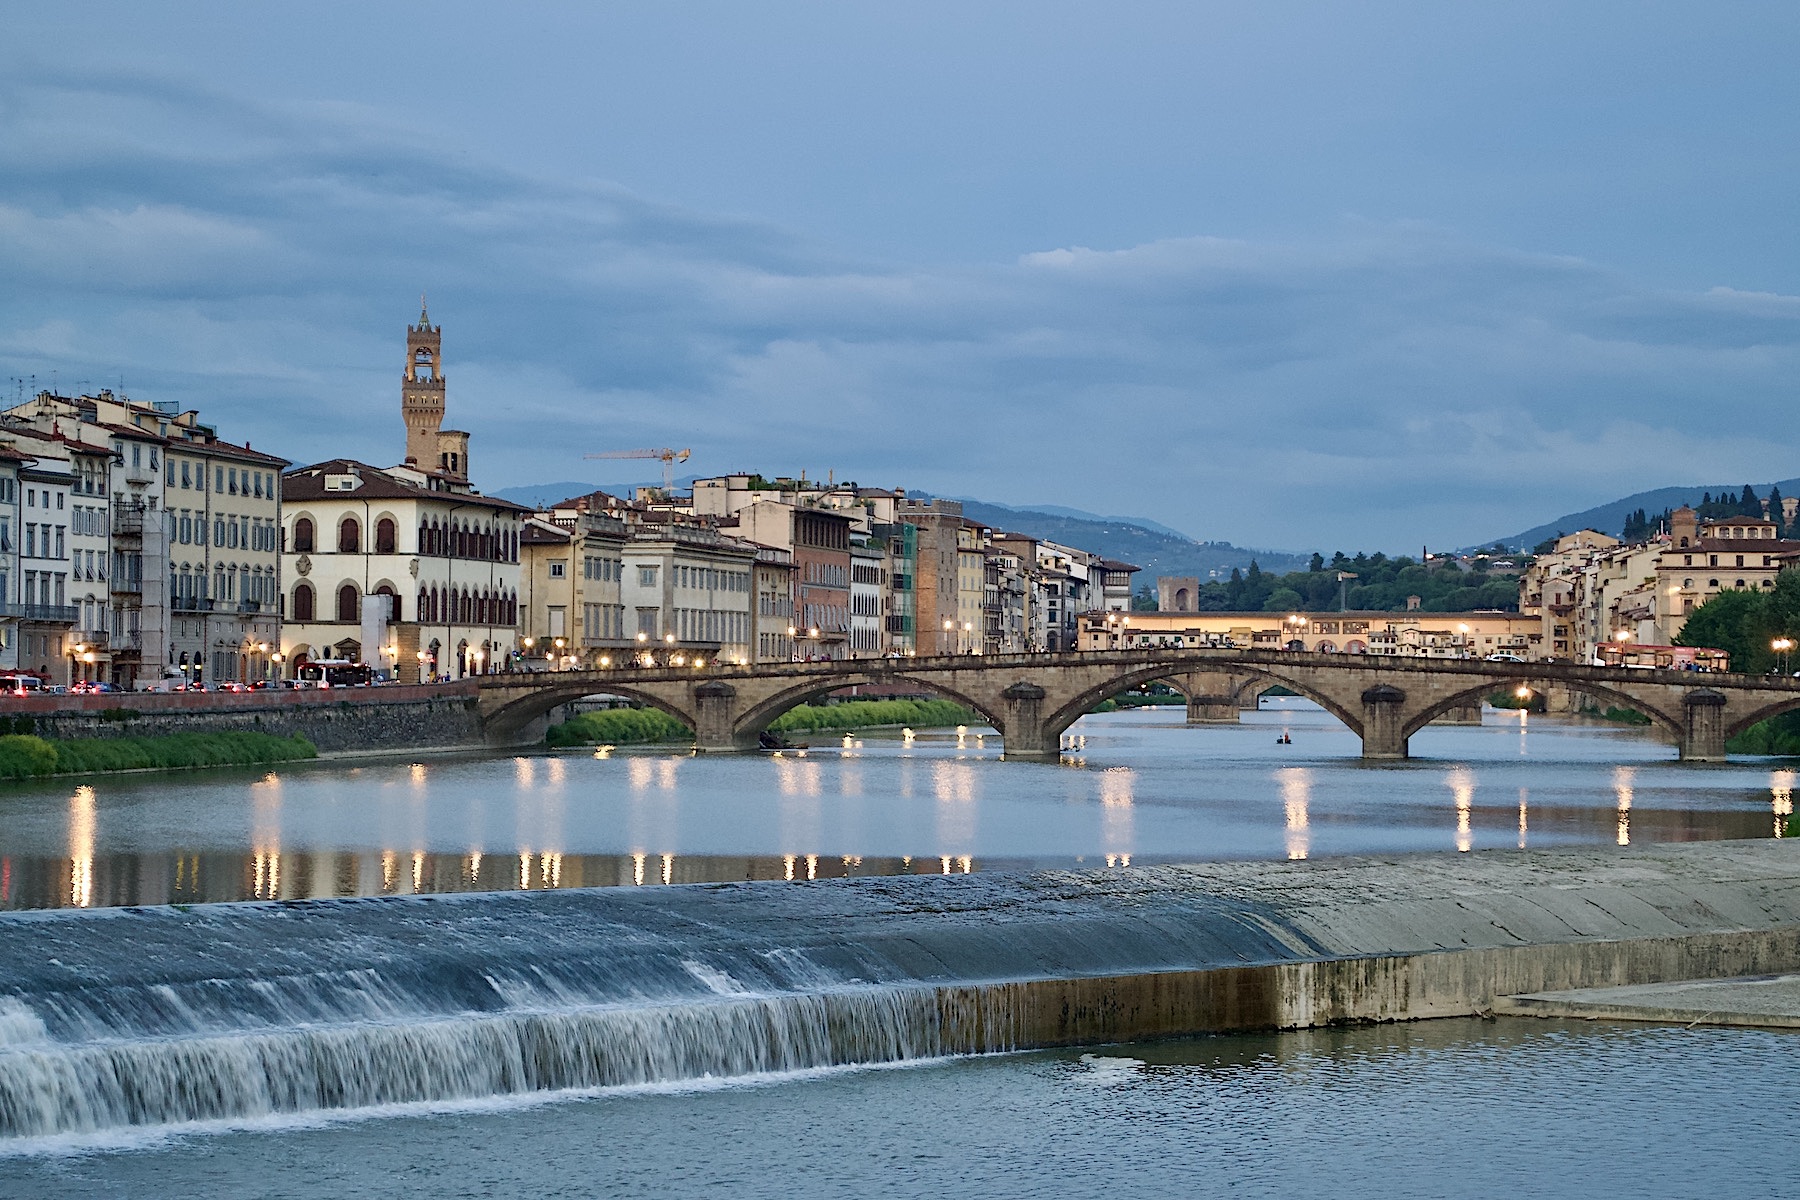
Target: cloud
point(1381, 386)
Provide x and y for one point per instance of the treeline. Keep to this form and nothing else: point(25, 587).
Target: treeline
point(25, 756)
point(1382, 584)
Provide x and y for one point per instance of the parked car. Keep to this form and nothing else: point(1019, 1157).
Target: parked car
point(1502, 656)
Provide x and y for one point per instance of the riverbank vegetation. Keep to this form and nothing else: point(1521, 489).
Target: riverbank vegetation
point(1777, 735)
point(25, 756)
point(629, 726)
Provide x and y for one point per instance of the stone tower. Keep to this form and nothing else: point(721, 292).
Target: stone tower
point(429, 446)
point(422, 390)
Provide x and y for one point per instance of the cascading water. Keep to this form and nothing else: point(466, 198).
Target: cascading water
point(149, 1017)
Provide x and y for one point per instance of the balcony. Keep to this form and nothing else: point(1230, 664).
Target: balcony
point(128, 522)
point(251, 606)
point(127, 644)
point(191, 604)
point(127, 586)
point(57, 614)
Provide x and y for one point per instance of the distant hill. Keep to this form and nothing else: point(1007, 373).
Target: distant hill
point(1610, 518)
point(1158, 549)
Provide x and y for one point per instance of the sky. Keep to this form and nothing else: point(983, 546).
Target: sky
point(1297, 275)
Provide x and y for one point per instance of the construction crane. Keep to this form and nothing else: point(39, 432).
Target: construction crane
point(669, 459)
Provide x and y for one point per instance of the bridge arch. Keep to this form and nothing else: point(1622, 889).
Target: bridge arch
point(1670, 724)
point(1074, 709)
point(764, 713)
point(519, 714)
point(1738, 724)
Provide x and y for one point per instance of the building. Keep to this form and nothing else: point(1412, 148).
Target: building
point(688, 589)
point(1591, 590)
point(868, 597)
point(407, 568)
point(1112, 590)
point(774, 612)
point(173, 539)
point(1177, 593)
point(572, 569)
point(416, 580)
point(1067, 576)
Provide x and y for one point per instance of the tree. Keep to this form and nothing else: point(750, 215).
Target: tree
point(1748, 504)
point(1317, 564)
point(1284, 599)
point(1732, 621)
point(1775, 512)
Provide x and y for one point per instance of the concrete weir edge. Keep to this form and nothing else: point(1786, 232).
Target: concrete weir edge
point(1029, 1014)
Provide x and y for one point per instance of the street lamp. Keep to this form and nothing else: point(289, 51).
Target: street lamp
point(949, 626)
point(560, 664)
point(1781, 646)
point(966, 639)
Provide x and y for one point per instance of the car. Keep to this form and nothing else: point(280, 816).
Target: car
point(1504, 657)
point(232, 685)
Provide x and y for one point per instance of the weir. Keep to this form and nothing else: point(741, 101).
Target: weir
point(122, 1018)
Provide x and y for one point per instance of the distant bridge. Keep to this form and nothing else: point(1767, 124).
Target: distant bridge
point(1032, 698)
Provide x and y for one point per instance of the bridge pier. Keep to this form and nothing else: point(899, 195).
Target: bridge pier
point(1384, 722)
point(1025, 734)
point(1212, 710)
point(715, 714)
point(1703, 736)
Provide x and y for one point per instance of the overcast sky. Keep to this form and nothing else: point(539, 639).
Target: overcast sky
point(1297, 275)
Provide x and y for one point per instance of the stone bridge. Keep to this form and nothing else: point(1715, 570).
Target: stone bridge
point(1032, 698)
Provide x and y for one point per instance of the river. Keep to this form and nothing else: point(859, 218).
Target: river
point(1136, 787)
point(533, 1047)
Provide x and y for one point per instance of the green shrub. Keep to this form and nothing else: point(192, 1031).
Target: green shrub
point(23, 756)
point(864, 714)
point(618, 727)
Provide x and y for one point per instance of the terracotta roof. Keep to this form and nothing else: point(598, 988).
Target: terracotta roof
point(308, 483)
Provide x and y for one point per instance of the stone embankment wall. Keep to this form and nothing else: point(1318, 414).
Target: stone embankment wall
point(333, 719)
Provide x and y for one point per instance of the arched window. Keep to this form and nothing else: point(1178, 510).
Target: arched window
point(385, 536)
point(303, 602)
point(423, 611)
point(393, 599)
point(349, 536)
point(303, 534)
point(348, 609)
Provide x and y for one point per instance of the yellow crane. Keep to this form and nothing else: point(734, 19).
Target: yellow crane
point(669, 459)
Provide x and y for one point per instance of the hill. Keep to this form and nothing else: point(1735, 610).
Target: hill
point(1610, 518)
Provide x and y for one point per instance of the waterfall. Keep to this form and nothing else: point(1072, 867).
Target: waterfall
point(48, 1087)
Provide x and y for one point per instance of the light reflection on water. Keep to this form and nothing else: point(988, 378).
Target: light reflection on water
point(1136, 788)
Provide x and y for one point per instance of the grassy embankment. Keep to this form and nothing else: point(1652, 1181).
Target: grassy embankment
point(25, 756)
point(624, 726)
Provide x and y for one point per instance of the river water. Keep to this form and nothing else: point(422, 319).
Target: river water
point(538, 1044)
point(1136, 787)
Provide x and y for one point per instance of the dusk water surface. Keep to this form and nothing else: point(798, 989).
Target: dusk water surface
point(93, 1087)
point(1136, 786)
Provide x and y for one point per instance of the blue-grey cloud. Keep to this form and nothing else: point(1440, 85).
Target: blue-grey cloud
point(1375, 384)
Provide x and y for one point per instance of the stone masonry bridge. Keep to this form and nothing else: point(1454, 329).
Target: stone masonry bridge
point(1032, 698)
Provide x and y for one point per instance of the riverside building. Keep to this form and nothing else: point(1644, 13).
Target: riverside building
point(172, 551)
point(407, 568)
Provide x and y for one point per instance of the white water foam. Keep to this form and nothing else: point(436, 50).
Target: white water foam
point(51, 1089)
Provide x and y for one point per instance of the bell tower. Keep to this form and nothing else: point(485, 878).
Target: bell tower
point(422, 391)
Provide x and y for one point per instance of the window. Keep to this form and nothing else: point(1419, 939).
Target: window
point(556, 570)
point(303, 534)
point(646, 576)
point(303, 602)
point(385, 536)
point(348, 608)
point(186, 480)
point(349, 536)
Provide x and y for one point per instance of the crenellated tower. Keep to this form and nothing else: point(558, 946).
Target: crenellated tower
point(429, 446)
